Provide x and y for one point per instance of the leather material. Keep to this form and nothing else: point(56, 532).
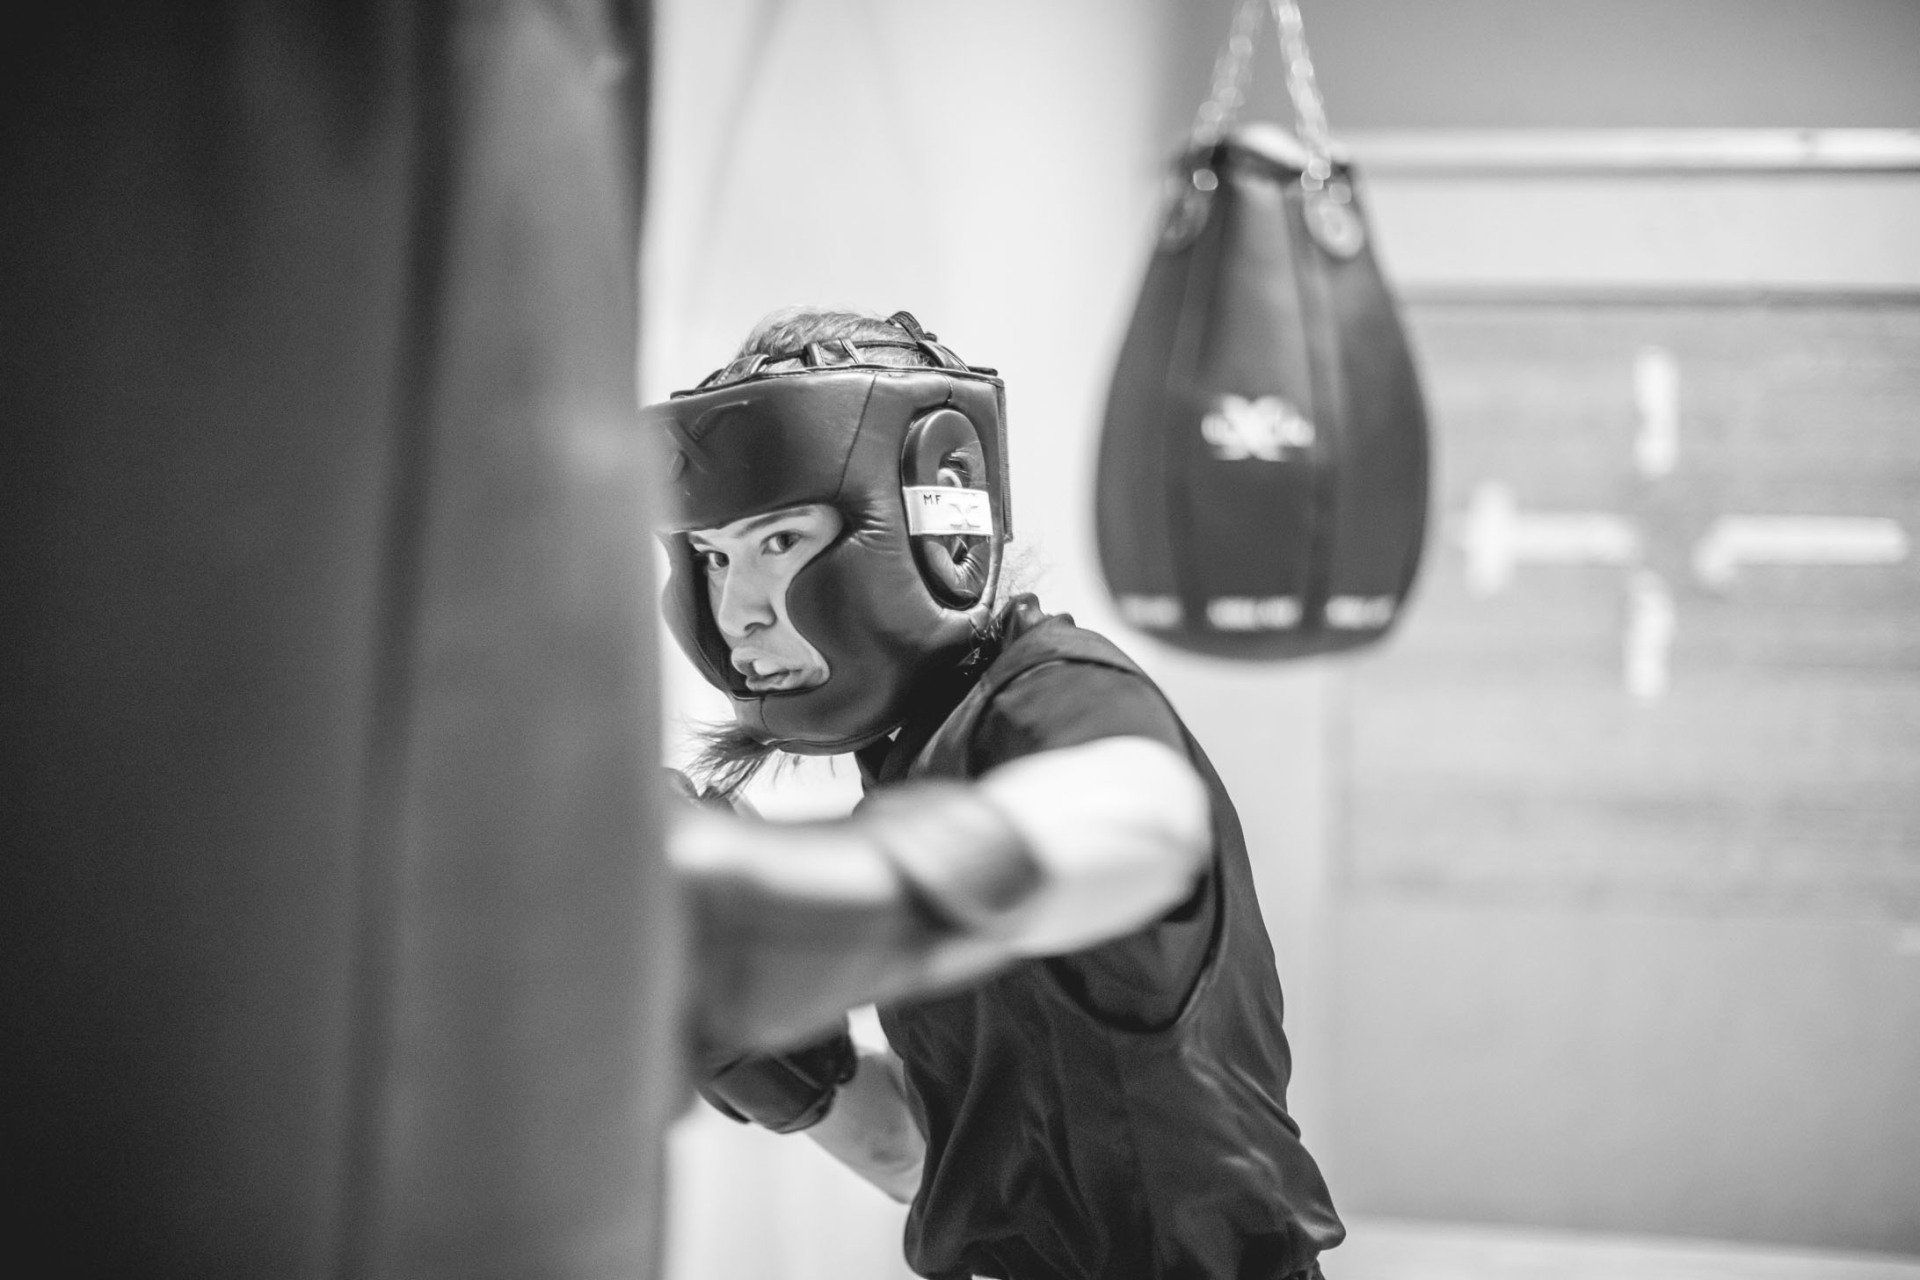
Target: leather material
point(335, 939)
point(839, 436)
point(785, 1092)
point(944, 447)
point(1263, 478)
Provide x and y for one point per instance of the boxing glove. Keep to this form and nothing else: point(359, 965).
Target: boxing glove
point(785, 1092)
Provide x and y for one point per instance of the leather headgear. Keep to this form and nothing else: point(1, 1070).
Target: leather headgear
point(905, 591)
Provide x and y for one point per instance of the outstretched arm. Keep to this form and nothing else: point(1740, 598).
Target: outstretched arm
point(931, 885)
point(926, 886)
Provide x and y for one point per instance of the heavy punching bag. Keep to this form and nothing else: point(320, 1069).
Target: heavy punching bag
point(1263, 469)
point(337, 940)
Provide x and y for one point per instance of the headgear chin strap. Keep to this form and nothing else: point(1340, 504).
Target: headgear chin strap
point(913, 459)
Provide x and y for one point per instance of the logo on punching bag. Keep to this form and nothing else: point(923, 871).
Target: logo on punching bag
point(1261, 429)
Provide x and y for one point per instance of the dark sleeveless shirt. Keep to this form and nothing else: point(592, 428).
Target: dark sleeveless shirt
point(1119, 1114)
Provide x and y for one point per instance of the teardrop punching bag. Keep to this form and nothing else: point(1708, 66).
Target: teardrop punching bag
point(336, 939)
point(1263, 470)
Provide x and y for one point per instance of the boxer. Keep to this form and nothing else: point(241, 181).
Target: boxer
point(1076, 1097)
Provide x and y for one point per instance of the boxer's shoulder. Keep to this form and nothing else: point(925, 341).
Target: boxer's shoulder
point(1050, 684)
point(1029, 636)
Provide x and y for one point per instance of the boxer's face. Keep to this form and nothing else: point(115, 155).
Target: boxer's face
point(749, 564)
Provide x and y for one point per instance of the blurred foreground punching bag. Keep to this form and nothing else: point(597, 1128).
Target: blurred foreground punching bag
point(1263, 473)
point(337, 941)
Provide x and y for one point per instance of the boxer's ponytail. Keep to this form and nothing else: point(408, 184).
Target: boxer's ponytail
point(729, 758)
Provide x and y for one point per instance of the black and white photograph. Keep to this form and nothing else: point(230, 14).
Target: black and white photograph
point(961, 640)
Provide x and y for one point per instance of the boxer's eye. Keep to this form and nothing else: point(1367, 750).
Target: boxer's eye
point(783, 541)
point(711, 560)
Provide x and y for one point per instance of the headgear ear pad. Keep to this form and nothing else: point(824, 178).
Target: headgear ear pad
point(942, 449)
point(882, 614)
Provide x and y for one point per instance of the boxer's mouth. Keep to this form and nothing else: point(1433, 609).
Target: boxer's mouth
point(769, 676)
point(779, 682)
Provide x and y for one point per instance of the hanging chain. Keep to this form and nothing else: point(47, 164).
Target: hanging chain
point(1328, 209)
point(1229, 75)
point(1305, 92)
point(1231, 72)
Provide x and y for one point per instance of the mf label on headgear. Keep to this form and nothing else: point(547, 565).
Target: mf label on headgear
point(945, 510)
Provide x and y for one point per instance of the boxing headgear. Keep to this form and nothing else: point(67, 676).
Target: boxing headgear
point(913, 459)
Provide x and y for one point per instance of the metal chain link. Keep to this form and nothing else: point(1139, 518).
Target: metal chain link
point(1231, 72)
point(1328, 208)
point(1229, 75)
point(1305, 92)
